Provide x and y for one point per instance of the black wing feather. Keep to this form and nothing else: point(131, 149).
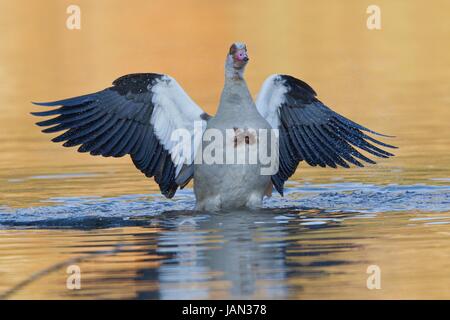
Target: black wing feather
point(115, 122)
point(312, 132)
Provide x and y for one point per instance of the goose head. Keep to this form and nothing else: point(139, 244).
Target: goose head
point(236, 61)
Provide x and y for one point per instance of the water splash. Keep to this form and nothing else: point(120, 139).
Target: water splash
point(361, 199)
point(368, 198)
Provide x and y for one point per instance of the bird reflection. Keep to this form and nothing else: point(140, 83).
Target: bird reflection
point(238, 253)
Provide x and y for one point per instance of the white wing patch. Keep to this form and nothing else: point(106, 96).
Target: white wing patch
point(270, 98)
point(174, 110)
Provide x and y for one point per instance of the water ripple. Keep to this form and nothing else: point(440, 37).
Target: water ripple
point(364, 199)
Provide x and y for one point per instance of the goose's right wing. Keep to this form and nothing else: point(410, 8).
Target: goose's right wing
point(136, 116)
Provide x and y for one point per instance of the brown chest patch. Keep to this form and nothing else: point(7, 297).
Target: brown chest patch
point(244, 136)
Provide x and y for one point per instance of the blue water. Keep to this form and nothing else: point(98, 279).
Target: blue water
point(321, 199)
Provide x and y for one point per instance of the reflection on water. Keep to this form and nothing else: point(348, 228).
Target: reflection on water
point(272, 253)
point(59, 208)
point(139, 246)
point(236, 253)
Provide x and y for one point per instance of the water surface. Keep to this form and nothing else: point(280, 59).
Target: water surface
point(59, 208)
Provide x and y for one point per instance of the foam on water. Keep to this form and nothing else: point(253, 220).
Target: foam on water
point(358, 198)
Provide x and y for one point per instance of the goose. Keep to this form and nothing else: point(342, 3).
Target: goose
point(140, 114)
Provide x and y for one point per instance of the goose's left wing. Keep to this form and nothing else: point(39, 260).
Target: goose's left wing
point(310, 131)
point(136, 116)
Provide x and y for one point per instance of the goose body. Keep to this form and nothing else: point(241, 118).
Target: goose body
point(238, 183)
point(142, 114)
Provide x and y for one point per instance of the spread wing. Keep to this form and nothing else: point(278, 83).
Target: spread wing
point(310, 131)
point(136, 116)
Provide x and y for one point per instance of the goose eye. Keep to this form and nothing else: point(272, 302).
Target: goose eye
point(240, 55)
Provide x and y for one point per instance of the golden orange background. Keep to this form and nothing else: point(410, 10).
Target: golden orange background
point(395, 80)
